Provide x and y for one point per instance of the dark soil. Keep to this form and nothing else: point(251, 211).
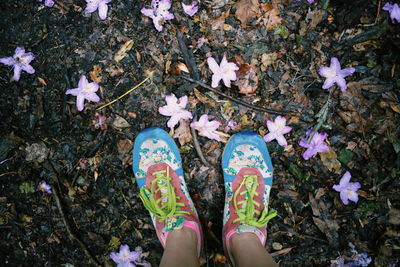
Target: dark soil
point(91, 166)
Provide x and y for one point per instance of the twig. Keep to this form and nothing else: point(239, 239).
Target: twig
point(321, 115)
point(71, 233)
point(379, 11)
point(273, 111)
point(126, 93)
point(197, 145)
point(188, 55)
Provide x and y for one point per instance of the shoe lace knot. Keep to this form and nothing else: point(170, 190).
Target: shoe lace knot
point(248, 213)
point(160, 199)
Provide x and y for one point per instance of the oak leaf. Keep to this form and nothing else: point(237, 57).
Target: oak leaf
point(183, 132)
point(246, 11)
point(270, 17)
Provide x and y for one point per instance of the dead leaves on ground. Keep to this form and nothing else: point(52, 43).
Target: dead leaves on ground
point(247, 79)
point(251, 13)
point(183, 132)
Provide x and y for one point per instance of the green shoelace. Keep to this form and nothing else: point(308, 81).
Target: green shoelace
point(165, 206)
point(248, 212)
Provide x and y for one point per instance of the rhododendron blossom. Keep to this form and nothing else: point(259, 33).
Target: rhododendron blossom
point(159, 12)
point(191, 9)
point(84, 91)
point(175, 110)
point(277, 129)
point(347, 189)
point(127, 258)
point(394, 11)
point(44, 187)
point(334, 74)
point(20, 61)
point(201, 41)
point(315, 146)
point(48, 3)
point(101, 5)
point(225, 71)
point(206, 128)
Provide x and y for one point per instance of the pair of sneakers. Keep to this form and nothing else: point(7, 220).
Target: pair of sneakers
point(247, 170)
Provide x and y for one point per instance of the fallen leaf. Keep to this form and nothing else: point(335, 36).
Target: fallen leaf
point(269, 59)
point(281, 252)
point(95, 74)
point(330, 161)
point(203, 99)
point(122, 52)
point(247, 79)
point(42, 81)
point(120, 122)
point(114, 243)
point(125, 146)
point(270, 17)
point(183, 132)
point(114, 70)
point(246, 11)
point(219, 22)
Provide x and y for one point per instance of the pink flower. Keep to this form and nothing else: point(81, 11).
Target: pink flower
point(225, 71)
point(175, 110)
point(206, 128)
point(334, 74)
point(159, 12)
point(125, 257)
point(276, 130)
point(394, 11)
point(316, 145)
point(48, 3)
point(101, 5)
point(44, 187)
point(347, 189)
point(201, 41)
point(20, 62)
point(191, 9)
point(84, 91)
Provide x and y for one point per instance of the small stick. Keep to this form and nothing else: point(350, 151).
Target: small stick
point(321, 115)
point(272, 111)
point(126, 93)
point(197, 145)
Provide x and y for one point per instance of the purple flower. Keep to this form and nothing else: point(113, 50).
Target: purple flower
point(159, 12)
point(191, 9)
point(394, 11)
point(347, 189)
point(277, 129)
point(359, 259)
point(20, 61)
point(316, 145)
point(225, 71)
point(101, 5)
point(44, 187)
point(309, 1)
point(48, 3)
point(201, 41)
point(334, 74)
point(125, 257)
point(84, 91)
point(175, 110)
point(206, 128)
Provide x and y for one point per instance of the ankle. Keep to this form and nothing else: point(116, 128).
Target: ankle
point(184, 233)
point(243, 239)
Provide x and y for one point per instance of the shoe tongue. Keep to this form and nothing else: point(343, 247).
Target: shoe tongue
point(173, 222)
point(248, 229)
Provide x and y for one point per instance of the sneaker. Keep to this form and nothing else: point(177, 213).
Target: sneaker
point(247, 169)
point(157, 166)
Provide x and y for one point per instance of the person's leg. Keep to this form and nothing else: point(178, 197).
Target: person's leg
point(247, 250)
point(180, 249)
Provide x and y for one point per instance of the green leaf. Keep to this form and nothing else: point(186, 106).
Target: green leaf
point(345, 156)
point(296, 172)
point(369, 206)
point(114, 243)
point(27, 187)
point(281, 30)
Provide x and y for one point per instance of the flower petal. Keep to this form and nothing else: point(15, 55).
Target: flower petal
point(82, 82)
point(309, 153)
point(281, 140)
point(328, 83)
point(28, 68)
point(103, 8)
point(73, 92)
point(344, 197)
point(269, 137)
point(335, 64)
point(341, 82)
point(19, 51)
point(212, 64)
point(80, 102)
point(147, 12)
point(91, 7)
point(17, 72)
point(9, 61)
point(344, 181)
point(346, 72)
point(215, 80)
point(325, 72)
point(93, 97)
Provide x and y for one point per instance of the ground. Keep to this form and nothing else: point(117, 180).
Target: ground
point(44, 137)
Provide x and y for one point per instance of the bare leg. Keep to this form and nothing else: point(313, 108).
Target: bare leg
point(180, 250)
point(247, 250)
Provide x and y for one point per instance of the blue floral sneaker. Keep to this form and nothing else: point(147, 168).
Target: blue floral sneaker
point(157, 166)
point(248, 172)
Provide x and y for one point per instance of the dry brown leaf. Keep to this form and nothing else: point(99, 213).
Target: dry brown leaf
point(219, 22)
point(183, 132)
point(114, 70)
point(42, 81)
point(95, 74)
point(247, 79)
point(270, 17)
point(277, 3)
point(330, 161)
point(269, 59)
point(125, 146)
point(281, 252)
point(122, 52)
point(246, 11)
point(203, 99)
